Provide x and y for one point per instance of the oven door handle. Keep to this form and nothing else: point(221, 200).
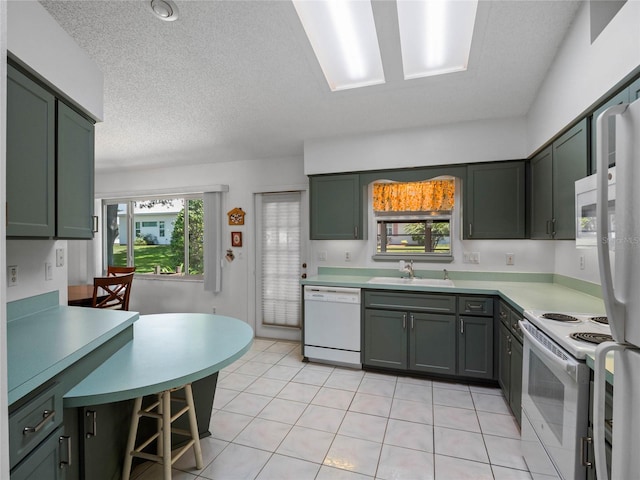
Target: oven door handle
point(569, 366)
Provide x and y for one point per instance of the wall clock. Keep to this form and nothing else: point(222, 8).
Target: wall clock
point(236, 216)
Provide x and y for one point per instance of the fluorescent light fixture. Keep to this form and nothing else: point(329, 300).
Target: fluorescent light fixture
point(435, 35)
point(343, 36)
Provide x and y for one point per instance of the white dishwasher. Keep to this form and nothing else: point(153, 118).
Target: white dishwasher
point(332, 325)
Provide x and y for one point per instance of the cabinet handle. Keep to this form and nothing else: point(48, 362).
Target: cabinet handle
point(584, 449)
point(94, 220)
point(461, 326)
point(67, 440)
point(503, 315)
point(470, 230)
point(404, 321)
point(553, 227)
point(355, 232)
point(548, 227)
point(475, 307)
point(94, 423)
point(412, 321)
point(47, 415)
point(509, 345)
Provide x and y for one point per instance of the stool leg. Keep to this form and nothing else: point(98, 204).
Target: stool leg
point(193, 425)
point(160, 441)
point(166, 433)
point(133, 430)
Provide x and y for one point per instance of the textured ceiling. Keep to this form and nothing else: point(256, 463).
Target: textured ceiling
point(236, 80)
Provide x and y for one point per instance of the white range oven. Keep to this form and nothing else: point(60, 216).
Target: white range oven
point(555, 390)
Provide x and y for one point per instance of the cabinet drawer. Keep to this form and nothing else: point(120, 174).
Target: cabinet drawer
point(514, 318)
point(33, 422)
point(416, 302)
point(504, 313)
point(476, 306)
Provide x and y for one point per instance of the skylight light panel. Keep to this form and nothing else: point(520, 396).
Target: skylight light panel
point(435, 35)
point(343, 37)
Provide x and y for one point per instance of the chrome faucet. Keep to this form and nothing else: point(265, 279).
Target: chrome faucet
point(446, 274)
point(409, 268)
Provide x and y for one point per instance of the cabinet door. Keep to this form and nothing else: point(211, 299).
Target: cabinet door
point(30, 158)
point(432, 343)
point(622, 97)
point(504, 360)
point(385, 339)
point(43, 463)
point(541, 211)
point(475, 347)
point(75, 167)
point(335, 207)
point(495, 201)
point(569, 164)
point(515, 397)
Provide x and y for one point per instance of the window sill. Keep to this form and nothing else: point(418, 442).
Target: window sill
point(419, 257)
point(169, 277)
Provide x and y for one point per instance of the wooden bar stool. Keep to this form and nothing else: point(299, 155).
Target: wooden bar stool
point(160, 409)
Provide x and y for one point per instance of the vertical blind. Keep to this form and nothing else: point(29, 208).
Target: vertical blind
point(281, 242)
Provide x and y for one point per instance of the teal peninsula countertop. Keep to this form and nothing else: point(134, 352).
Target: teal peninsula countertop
point(168, 350)
point(44, 338)
point(523, 291)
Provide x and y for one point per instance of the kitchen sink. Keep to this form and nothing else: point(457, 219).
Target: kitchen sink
point(425, 282)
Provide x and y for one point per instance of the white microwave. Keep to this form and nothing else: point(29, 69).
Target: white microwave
point(586, 194)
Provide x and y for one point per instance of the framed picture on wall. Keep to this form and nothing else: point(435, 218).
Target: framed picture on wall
point(236, 239)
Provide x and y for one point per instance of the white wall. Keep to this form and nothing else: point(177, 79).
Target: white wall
point(244, 178)
point(30, 257)
point(582, 73)
point(481, 141)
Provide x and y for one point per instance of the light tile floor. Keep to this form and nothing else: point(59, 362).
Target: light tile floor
point(276, 417)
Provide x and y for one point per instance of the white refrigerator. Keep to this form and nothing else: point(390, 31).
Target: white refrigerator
point(621, 293)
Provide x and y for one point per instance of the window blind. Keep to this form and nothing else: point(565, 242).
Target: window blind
point(281, 243)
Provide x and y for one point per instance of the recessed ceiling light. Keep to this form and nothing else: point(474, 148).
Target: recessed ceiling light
point(343, 37)
point(435, 35)
point(164, 9)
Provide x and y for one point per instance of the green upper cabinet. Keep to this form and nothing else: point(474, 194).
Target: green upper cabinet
point(621, 97)
point(570, 160)
point(335, 206)
point(494, 205)
point(541, 205)
point(30, 157)
point(50, 164)
point(553, 174)
point(75, 174)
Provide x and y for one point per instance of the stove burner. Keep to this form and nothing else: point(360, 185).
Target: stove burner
point(604, 320)
point(591, 337)
point(560, 317)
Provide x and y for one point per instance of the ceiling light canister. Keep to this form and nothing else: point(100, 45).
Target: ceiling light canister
point(164, 9)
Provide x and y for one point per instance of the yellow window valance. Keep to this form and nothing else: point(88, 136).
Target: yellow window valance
point(414, 196)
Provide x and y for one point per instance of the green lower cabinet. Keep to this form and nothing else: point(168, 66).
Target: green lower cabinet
point(44, 462)
point(515, 397)
point(475, 347)
point(504, 360)
point(432, 343)
point(385, 339)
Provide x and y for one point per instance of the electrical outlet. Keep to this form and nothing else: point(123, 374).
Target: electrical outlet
point(48, 271)
point(475, 257)
point(322, 256)
point(213, 310)
point(12, 275)
point(59, 257)
point(582, 262)
point(510, 258)
point(466, 257)
point(347, 256)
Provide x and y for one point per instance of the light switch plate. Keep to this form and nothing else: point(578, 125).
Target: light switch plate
point(59, 257)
